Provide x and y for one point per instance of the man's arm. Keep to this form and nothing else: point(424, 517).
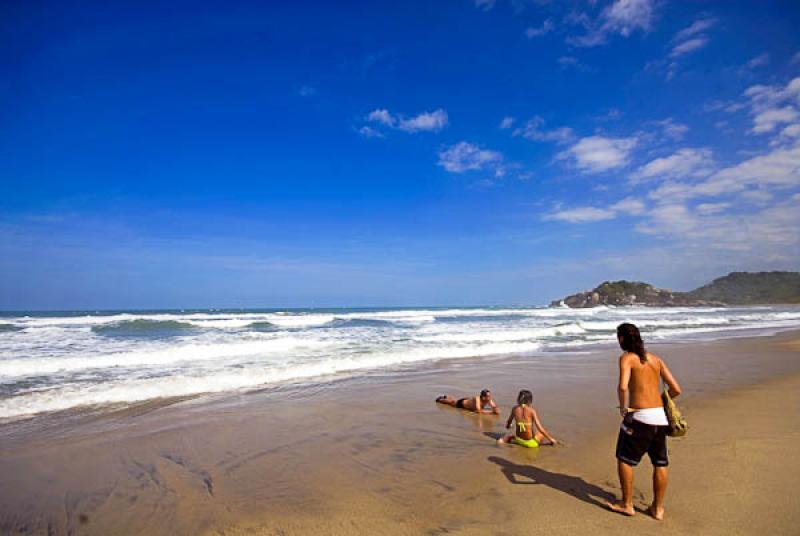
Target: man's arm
point(669, 379)
point(624, 380)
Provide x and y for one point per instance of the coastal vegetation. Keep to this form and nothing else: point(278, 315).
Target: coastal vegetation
point(736, 288)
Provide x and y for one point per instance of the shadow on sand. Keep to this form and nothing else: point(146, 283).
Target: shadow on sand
point(571, 485)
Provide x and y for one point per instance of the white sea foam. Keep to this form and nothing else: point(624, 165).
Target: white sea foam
point(13, 368)
point(57, 362)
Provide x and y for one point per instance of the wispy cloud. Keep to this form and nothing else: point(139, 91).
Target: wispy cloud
point(538, 31)
point(686, 41)
point(596, 154)
point(697, 27)
point(424, 122)
point(485, 5)
point(684, 163)
point(621, 17)
point(382, 116)
point(688, 46)
point(772, 106)
point(369, 132)
point(672, 129)
point(758, 61)
point(533, 131)
point(628, 205)
point(464, 156)
point(506, 123)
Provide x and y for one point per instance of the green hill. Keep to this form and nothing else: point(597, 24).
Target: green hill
point(736, 288)
point(750, 288)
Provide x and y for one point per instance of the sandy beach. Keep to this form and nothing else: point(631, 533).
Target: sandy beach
point(376, 454)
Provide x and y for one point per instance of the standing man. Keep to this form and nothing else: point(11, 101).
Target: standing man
point(644, 426)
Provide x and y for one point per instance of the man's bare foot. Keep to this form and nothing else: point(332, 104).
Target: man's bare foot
point(657, 513)
point(620, 508)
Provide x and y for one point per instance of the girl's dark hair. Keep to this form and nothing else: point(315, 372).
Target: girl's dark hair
point(631, 340)
point(524, 397)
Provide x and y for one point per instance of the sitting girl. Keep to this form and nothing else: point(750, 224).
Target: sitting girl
point(526, 417)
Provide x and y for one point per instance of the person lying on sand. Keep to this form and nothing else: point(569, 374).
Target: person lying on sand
point(529, 430)
point(475, 403)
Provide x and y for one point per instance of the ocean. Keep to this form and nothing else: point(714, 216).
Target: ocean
point(74, 360)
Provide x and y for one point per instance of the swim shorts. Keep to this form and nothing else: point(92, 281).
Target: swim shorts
point(530, 443)
point(460, 402)
point(636, 438)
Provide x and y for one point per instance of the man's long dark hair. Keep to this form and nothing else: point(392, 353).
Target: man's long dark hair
point(631, 340)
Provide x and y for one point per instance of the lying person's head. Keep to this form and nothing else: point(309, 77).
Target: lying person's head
point(486, 395)
point(524, 397)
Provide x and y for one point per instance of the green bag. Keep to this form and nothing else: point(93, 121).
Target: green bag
point(677, 423)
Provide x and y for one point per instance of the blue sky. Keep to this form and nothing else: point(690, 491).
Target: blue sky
point(191, 154)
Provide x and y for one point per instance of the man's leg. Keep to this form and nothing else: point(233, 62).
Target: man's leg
point(625, 506)
point(660, 480)
point(446, 400)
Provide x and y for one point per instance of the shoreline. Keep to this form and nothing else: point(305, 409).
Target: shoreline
point(373, 455)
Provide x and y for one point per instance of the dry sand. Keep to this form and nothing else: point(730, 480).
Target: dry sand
point(360, 456)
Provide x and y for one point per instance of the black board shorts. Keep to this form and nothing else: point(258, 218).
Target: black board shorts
point(460, 402)
point(640, 438)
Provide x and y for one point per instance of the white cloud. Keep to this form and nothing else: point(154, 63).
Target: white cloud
point(485, 5)
point(695, 28)
point(758, 61)
point(369, 132)
point(621, 17)
point(546, 27)
point(795, 58)
point(759, 197)
point(706, 209)
point(773, 106)
point(792, 131)
point(688, 46)
point(582, 215)
point(767, 120)
point(767, 235)
point(595, 154)
point(506, 123)
point(629, 205)
point(684, 163)
point(426, 121)
point(533, 131)
point(684, 42)
point(465, 156)
point(382, 116)
point(778, 169)
point(672, 129)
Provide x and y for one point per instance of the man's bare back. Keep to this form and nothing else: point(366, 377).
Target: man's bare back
point(644, 380)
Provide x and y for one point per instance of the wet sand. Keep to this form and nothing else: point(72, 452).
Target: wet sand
point(376, 454)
